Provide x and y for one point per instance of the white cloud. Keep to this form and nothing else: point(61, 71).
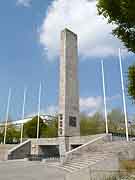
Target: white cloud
point(90, 105)
point(25, 3)
point(80, 16)
point(51, 110)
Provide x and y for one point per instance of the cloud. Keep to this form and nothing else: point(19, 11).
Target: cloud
point(25, 3)
point(90, 105)
point(94, 34)
point(51, 109)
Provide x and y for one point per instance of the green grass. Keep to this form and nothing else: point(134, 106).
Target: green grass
point(128, 165)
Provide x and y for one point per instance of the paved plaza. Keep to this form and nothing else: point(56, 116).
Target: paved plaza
point(24, 170)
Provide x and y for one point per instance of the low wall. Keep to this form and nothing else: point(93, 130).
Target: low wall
point(4, 151)
point(86, 147)
point(21, 151)
point(3, 154)
point(82, 139)
point(99, 171)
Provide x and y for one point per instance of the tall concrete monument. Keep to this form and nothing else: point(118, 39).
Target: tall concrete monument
point(69, 124)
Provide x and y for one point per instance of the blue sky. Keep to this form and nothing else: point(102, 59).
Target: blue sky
point(29, 53)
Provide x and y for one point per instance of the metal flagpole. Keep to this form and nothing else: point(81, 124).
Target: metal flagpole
point(123, 93)
point(23, 109)
point(7, 114)
point(104, 91)
point(39, 103)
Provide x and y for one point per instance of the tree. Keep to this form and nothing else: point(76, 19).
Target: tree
point(116, 115)
point(30, 128)
point(1, 137)
point(45, 130)
point(12, 135)
point(51, 130)
point(91, 125)
point(122, 14)
point(116, 123)
point(131, 82)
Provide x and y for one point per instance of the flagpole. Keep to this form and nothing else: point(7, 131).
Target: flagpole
point(39, 104)
point(23, 109)
point(123, 94)
point(7, 114)
point(104, 92)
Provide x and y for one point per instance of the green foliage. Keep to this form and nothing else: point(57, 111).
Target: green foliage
point(131, 82)
point(91, 125)
point(30, 128)
point(1, 137)
point(51, 130)
point(12, 136)
point(96, 123)
point(45, 130)
point(116, 115)
point(128, 165)
point(122, 14)
point(112, 178)
point(116, 121)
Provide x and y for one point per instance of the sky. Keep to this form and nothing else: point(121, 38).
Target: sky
point(30, 50)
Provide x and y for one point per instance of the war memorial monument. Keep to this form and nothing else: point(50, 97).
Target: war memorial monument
point(75, 153)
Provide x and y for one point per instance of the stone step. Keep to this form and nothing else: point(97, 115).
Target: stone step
point(82, 164)
point(76, 166)
point(87, 160)
point(69, 168)
point(90, 158)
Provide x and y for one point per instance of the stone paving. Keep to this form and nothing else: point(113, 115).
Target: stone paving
point(24, 170)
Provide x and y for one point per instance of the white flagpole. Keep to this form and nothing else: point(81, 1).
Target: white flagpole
point(7, 114)
point(23, 109)
point(39, 104)
point(123, 93)
point(104, 91)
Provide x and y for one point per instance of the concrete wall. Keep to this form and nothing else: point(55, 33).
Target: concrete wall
point(86, 147)
point(108, 167)
point(67, 141)
point(21, 151)
point(82, 139)
point(36, 144)
point(99, 171)
point(4, 151)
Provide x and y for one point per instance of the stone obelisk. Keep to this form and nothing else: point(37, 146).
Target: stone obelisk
point(69, 124)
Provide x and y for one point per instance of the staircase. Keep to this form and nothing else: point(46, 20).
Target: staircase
point(84, 161)
point(97, 154)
